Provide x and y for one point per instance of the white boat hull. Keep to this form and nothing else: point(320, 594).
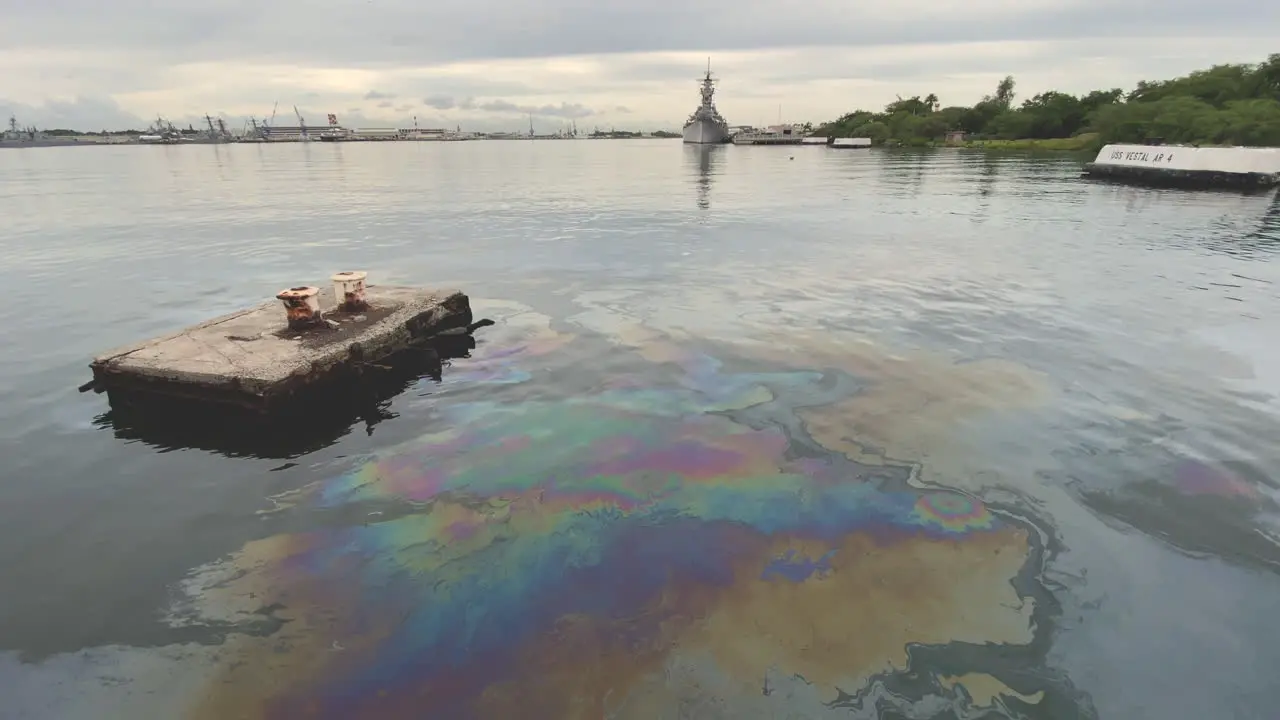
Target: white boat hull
point(705, 132)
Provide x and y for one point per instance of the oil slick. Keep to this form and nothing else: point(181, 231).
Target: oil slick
point(985, 691)
point(638, 550)
point(620, 553)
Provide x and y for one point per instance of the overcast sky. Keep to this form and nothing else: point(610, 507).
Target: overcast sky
point(487, 64)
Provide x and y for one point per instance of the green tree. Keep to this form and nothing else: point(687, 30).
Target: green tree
point(1098, 98)
point(911, 106)
point(978, 117)
point(1223, 104)
point(1051, 115)
point(1266, 78)
point(877, 131)
point(1011, 125)
point(1217, 86)
point(1004, 91)
point(953, 117)
point(1250, 122)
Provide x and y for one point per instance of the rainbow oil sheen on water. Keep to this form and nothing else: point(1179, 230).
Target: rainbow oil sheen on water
point(623, 553)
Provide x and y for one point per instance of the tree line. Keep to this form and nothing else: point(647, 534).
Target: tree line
point(1223, 105)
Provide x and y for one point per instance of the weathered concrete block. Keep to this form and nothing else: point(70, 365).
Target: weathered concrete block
point(252, 359)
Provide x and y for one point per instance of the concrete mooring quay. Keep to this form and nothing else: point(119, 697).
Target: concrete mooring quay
point(265, 357)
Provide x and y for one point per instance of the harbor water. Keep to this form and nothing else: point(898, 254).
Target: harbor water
point(757, 433)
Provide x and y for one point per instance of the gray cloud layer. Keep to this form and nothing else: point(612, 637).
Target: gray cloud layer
point(440, 102)
point(85, 113)
point(563, 110)
point(405, 31)
point(91, 49)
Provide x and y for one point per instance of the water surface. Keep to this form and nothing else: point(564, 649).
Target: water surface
point(759, 432)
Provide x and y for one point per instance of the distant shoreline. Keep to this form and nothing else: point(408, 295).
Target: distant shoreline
point(78, 142)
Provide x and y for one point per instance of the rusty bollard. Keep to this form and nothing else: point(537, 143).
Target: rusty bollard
point(348, 287)
point(301, 306)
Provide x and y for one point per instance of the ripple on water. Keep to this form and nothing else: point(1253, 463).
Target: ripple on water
point(800, 391)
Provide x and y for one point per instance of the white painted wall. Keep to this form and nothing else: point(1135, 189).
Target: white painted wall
point(1186, 158)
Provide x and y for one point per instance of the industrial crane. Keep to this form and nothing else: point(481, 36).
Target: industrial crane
point(302, 124)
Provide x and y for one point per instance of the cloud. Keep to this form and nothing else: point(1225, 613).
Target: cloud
point(563, 110)
point(386, 104)
point(401, 33)
point(633, 65)
point(502, 106)
point(81, 113)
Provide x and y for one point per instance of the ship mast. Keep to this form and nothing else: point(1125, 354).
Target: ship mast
point(708, 89)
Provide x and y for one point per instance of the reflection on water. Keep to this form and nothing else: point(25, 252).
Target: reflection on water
point(173, 426)
point(988, 171)
point(985, 182)
point(702, 162)
point(1223, 510)
point(932, 435)
point(1268, 232)
point(906, 170)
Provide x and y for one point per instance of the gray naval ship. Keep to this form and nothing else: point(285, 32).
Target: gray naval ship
point(20, 137)
point(705, 126)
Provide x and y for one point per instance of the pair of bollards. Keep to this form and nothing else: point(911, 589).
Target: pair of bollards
point(302, 304)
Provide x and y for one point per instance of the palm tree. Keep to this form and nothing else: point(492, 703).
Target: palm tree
point(932, 101)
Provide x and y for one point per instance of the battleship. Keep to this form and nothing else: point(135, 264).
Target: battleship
point(705, 126)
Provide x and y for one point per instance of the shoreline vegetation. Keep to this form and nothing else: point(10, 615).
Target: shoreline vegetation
point(1222, 105)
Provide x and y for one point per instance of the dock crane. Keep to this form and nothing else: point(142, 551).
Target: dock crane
point(302, 124)
point(262, 131)
point(217, 129)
